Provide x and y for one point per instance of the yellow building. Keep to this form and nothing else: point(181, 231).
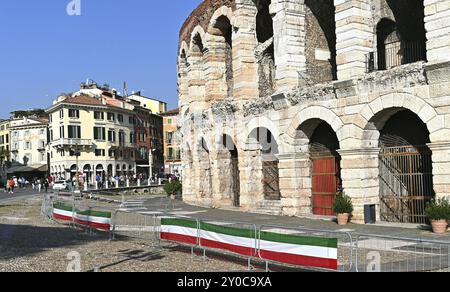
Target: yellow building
point(156, 106)
point(4, 141)
point(172, 151)
point(94, 135)
point(4, 149)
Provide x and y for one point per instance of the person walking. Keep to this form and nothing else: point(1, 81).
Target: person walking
point(46, 185)
point(39, 182)
point(12, 184)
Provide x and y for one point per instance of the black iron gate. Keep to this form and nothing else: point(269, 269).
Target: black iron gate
point(406, 183)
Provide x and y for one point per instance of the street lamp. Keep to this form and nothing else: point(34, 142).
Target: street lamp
point(150, 164)
point(77, 154)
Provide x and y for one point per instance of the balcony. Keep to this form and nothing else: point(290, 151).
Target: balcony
point(395, 55)
point(72, 143)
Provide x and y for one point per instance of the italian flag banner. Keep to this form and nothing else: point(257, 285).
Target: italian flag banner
point(303, 251)
point(90, 218)
point(179, 230)
point(94, 219)
point(62, 212)
point(290, 249)
point(237, 240)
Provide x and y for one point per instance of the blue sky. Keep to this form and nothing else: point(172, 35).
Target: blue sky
point(44, 51)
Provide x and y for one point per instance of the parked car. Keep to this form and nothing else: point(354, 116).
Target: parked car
point(61, 185)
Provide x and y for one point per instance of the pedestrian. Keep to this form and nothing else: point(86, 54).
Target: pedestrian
point(39, 182)
point(12, 184)
point(46, 185)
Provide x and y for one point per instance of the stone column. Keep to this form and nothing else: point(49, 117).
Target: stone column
point(437, 25)
point(441, 168)
point(289, 41)
point(354, 37)
point(196, 81)
point(245, 67)
point(222, 177)
point(295, 184)
point(360, 179)
point(183, 84)
point(215, 68)
point(251, 178)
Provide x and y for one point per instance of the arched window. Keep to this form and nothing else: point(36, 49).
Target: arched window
point(265, 52)
point(401, 35)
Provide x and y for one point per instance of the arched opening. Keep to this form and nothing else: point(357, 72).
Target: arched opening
point(323, 147)
point(229, 159)
point(269, 162)
point(73, 171)
point(320, 50)
point(110, 170)
point(87, 170)
point(265, 52)
point(222, 28)
point(405, 166)
point(401, 35)
point(196, 70)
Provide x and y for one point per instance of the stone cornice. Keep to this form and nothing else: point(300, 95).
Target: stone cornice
point(359, 151)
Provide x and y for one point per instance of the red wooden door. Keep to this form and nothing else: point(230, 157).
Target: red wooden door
point(326, 181)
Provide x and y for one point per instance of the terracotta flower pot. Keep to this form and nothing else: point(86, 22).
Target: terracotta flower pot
point(439, 226)
point(343, 219)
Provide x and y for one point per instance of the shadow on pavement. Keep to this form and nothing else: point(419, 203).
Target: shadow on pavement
point(24, 240)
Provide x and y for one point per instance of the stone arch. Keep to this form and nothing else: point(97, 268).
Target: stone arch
point(219, 84)
point(196, 70)
point(260, 122)
point(222, 11)
point(300, 139)
point(400, 33)
point(183, 81)
point(378, 112)
point(197, 34)
point(227, 172)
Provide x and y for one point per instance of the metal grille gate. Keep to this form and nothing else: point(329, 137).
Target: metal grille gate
point(271, 180)
point(406, 183)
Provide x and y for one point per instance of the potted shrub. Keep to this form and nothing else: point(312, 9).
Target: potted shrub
point(343, 207)
point(438, 211)
point(172, 188)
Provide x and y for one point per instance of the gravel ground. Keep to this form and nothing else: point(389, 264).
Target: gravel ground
point(30, 243)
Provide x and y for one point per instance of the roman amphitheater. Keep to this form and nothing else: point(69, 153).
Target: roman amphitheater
point(285, 103)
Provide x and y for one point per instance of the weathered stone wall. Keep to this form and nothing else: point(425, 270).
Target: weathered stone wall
point(320, 50)
point(356, 106)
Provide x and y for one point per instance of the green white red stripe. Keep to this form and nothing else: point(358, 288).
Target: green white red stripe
point(290, 249)
point(299, 250)
point(179, 230)
point(90, 218)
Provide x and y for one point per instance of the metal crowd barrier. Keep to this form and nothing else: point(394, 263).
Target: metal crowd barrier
point(239, 238)
point(314, 249)
point(395, 254)
point(308, 248)
point(135, 225)
point(178, 230)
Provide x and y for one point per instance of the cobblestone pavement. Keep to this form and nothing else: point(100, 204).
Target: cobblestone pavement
point(30, 243)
